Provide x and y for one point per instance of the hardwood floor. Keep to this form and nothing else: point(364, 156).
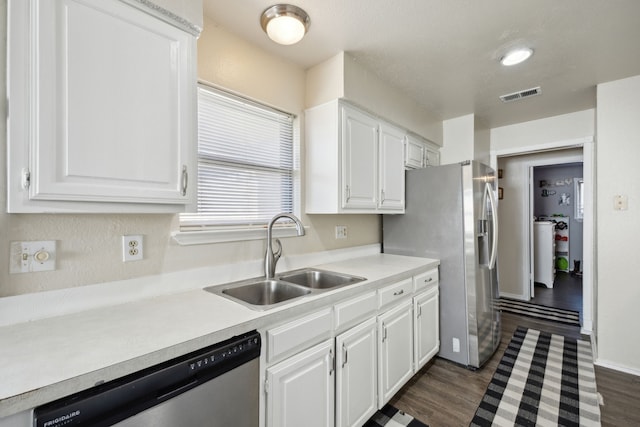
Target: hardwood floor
point(566, 293)
point(444, 394)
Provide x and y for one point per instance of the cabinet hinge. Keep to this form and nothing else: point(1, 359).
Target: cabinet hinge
point(26, 179)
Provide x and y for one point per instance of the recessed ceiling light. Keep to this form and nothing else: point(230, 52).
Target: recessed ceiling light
point(284, 23)
point(516, 56)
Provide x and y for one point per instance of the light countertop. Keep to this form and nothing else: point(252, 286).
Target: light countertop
point(47, 359)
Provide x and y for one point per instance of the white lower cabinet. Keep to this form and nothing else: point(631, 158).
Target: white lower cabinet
point(395, 350)
point(382, 337)
point(426, 326)
point(356, 369)
point(300, 389)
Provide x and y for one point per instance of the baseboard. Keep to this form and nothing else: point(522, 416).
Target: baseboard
point(514, 296)
point(611, 365)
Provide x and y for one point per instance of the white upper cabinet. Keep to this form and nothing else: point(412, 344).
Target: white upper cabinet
point(420, 153)
point(391, 169)
point(354, 162)
point(415, 150)
point(102, 109)
point(359, 160)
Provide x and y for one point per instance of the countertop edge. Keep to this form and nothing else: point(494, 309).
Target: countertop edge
point(28, 399)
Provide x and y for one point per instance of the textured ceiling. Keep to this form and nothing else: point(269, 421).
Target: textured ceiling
point(444, 53)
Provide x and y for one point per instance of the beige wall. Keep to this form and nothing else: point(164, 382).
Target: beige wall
point(617, 155)
point(89, 249)
point(458, 140)
point(341, 76)
point(544, 131)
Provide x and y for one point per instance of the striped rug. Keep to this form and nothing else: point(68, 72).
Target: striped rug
point(523, 308)
point(543, 379)
point(390, 416)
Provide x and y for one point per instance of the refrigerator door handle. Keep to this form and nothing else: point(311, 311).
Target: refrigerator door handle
point(494, 228)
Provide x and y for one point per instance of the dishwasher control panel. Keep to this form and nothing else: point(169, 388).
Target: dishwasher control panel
point(237, 347)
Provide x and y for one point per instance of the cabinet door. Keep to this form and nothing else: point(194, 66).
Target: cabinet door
point(433, 157)
point(359, 160)
point(426, 326)
point(395, 350)
point(391, 170)
point(109, 114)
point(300, 390)
point(356, 371)
point(414, 156)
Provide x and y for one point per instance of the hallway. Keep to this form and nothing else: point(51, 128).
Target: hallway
point(566, 293)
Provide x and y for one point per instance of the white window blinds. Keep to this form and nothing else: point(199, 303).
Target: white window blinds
point(245, 162)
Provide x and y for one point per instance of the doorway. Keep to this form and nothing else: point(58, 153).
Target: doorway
point(515, 241)
point(557, 194)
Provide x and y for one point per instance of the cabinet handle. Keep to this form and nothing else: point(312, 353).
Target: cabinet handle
point(185, 180)
point(345, 355)
point(347, 193)
point(419, 311)
point(430, 279)
point(400, 292)
point(332, 362)
point(384, 332)
point(381, 196)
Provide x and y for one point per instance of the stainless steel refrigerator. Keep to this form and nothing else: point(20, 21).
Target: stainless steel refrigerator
point(451, 214)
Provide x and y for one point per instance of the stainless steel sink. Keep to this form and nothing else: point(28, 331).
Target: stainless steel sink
point(264, 294)
point(319, 279)
point(260, 293)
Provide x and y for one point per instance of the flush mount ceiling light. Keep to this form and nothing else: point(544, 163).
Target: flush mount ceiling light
point(516, 56)
point(284, 23)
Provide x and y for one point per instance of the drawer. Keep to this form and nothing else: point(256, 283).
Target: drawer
point(353, 311)
point(423, 280)
point(299, 334)
point(396, 292)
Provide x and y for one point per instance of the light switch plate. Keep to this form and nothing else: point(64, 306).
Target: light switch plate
point(29, 257)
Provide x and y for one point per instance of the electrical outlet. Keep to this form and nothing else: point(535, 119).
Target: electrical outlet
point(341, 231)
point(456, 345)
point(132, 248)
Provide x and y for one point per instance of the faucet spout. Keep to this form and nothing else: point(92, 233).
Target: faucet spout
point(271, 258)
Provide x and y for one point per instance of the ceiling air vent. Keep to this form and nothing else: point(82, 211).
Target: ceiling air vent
point(521, 94)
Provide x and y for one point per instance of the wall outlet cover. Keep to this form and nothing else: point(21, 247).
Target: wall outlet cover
point(132, 248)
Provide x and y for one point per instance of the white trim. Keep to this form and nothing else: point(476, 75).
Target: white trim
point(610, 365)
point(513, 296)
point(589, 251)
point(230, 234)
point(587, 329)
point(551, 146)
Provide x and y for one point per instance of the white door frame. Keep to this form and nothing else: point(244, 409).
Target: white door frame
point(588, 158)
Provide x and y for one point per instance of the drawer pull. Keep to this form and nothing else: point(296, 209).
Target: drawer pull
point(430, 279)
point(400, 292)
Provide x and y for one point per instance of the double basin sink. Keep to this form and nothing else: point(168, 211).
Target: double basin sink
point(262, 294)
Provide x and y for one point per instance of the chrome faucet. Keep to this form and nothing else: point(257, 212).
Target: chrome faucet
point(271, 258)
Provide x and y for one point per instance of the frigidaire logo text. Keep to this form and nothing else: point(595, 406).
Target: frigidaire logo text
point(64, 419)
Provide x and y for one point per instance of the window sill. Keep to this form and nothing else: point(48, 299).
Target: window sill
point(187, 238)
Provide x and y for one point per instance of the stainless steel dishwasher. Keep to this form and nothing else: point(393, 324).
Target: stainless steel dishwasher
point(214, 386)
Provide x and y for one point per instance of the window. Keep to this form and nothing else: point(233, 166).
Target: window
point(245, 162)
point(579, 198)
